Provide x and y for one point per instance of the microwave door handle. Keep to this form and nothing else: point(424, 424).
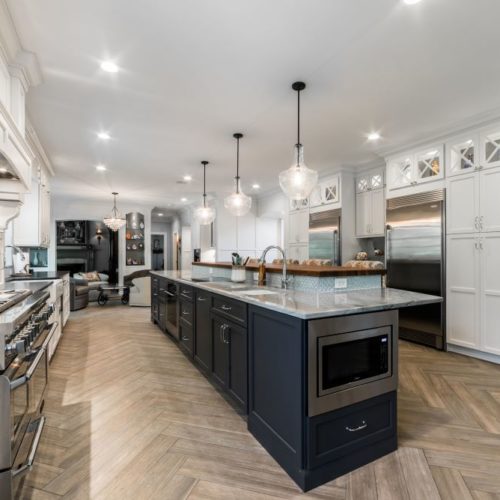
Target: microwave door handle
point(32, 454)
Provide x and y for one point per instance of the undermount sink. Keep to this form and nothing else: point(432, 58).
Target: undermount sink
point(257, 291)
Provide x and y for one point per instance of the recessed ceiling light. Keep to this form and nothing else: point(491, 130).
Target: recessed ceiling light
point(104, 136)
point(184, 199)
point(411, 2)
point(109, 67)
point(160, 214)
point(187, 178)
point(373, 136)
point(255, 186)
point(101, 168)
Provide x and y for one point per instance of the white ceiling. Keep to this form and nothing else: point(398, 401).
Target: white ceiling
point(195, 71)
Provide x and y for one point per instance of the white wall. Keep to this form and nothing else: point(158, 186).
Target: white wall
point(84, 209)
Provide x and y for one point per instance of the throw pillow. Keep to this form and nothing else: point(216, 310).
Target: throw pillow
point(92, 276)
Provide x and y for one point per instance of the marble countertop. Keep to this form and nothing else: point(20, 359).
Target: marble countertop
point(307, 305)
point(39, 275)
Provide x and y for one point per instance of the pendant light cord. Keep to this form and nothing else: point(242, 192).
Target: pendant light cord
point(237, 165)
point(298, 118)
point(204, 163)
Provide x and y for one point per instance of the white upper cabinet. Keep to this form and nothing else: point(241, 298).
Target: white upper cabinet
point(489, 200)
point(462, 155)
point(299, 204)
point(32, 226)
point(327, 192)
point(489, 142)
point(370, 181)
point(415, 167)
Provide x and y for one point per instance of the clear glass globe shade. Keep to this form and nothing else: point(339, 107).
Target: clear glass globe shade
point(298, 181)
point(238, 203)
point(204, 215)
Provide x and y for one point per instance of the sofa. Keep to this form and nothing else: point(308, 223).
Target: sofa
point(79, 294)
point(94, 281)
point(139, 283)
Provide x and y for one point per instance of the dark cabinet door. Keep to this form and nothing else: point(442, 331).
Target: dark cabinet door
point(220, 352)
point(186, 337)
point(162, 316)
point(236, 339)
point(154, 299)
point(203, 331)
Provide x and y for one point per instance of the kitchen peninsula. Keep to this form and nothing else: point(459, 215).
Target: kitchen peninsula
point(315, 371)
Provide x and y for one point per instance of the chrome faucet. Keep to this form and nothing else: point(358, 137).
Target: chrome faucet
point(284, 278)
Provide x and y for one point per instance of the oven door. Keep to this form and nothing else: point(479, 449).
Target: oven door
point(12, 480)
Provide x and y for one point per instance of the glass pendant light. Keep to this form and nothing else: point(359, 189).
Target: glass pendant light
point(115, 220)
point(204, 215)
point(238, 203)
point(298, 181)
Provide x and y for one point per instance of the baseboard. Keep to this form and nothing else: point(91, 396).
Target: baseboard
point(485, 356)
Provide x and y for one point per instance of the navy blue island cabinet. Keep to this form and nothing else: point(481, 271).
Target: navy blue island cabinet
point(315, 419)
point(320, 394)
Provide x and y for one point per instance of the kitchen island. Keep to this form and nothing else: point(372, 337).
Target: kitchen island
point(315, 372)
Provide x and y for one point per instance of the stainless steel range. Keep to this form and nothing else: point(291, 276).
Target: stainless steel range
point(25, 332)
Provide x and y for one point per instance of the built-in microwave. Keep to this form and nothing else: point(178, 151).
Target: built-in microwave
point(351, 359)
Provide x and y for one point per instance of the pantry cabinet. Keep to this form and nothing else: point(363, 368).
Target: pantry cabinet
point(298, 227)
point(473, 204)
point(32, 226)
point(473, 291)
point(370, 205)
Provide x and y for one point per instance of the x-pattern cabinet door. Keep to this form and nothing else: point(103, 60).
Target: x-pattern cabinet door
point(490, 147)
point(400, 172)
point(429, 165)
point(462, 155)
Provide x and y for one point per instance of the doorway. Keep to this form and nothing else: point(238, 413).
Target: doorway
point(158, 251)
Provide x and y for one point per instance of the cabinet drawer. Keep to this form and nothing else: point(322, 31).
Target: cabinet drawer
point(186, 292)
point(338, 433)
point(232, 309)
point(186, 311)
point(186, 336)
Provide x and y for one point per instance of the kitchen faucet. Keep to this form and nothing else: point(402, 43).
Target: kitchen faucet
point(262, 267)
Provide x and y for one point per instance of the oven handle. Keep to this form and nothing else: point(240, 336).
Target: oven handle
point(34, 447)
point(18, 382)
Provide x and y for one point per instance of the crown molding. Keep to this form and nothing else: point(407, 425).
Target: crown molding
point(22, 64)
point(443, 133)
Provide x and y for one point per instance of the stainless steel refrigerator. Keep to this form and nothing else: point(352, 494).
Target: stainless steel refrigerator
point(415, 260)
point(324, 235)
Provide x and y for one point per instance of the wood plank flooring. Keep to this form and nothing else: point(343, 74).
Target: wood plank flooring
point(128, 417)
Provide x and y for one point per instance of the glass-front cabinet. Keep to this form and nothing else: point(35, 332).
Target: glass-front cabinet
point(416, 167)
point(374, 179)
point(326, 192)
point(489, 140)
point(462, 154)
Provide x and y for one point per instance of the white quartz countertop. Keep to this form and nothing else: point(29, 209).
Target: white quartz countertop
point(307, 305)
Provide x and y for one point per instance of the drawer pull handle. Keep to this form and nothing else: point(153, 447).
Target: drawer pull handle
point(185, 339)
point(201, 299)
point(363, 425)
point(185, 313)
point(225, 308)
point(186, 294)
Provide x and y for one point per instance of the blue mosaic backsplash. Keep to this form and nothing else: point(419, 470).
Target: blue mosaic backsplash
point(301, 283)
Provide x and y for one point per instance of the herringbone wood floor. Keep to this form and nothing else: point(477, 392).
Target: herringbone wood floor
point(130, 418)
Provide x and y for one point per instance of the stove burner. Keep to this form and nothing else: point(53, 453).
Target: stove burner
point(8, 298)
